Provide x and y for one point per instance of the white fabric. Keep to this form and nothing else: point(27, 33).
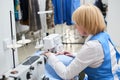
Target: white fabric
point(91, 54)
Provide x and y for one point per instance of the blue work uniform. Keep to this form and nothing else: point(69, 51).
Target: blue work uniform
point(104, 71)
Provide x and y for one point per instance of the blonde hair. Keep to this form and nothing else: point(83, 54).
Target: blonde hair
point(90, 18)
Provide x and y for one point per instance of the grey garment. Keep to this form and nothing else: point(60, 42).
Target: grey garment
point(34, 17)
point(50, 17)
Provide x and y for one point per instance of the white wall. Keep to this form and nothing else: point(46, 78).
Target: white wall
point(93, 1)
point(113, 27)
point(5, 35)
point(86, 1)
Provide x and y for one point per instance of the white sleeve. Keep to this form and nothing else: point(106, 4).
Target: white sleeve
point(85, 57)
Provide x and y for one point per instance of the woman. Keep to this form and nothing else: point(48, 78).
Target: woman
point(98, 57)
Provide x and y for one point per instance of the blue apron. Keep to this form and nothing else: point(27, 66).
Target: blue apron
point(104, 72)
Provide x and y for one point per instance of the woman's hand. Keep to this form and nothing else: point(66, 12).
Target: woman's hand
point(47, 54)
point(64, 53)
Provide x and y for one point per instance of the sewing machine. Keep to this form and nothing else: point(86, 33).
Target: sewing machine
point(53, 43)
point(34, 67)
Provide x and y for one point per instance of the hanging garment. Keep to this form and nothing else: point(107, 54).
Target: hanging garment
point(24, 12)
point(58, 11)
point(68, 11)
point(17, 10)
point(107, 71)
point(102, 7)
point(42, 6)
point(34, 17)
point(63, 10)
point(50, 16)
point(99, 4)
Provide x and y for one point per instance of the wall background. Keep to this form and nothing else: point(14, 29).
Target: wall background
point(114, 20)
point(5, 35)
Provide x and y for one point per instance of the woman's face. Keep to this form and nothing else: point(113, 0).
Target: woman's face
point(81, 30)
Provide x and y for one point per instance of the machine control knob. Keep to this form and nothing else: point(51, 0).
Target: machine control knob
point(18, 78)
point(31, 68)
point(3, 78)
point(39, 62)
point(28, 75)
point(45, 78)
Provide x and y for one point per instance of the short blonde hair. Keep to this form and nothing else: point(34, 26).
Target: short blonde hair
point(90, 18)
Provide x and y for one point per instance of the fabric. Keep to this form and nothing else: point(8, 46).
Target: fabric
point(34, 17)
point(24, 11)
point(105, 71)
point(101, 6)
point(63, 10)
point(91, 54)
point(17, 10)
point(68, 11)
point(50, 16)
point(58, 15)
point(50, 72)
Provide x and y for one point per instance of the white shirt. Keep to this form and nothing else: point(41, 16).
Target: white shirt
point(91, 54)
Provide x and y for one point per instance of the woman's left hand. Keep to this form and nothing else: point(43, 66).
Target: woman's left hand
point(47, 54)
point(65, 53)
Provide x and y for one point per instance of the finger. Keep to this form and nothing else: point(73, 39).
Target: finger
point(59, 53)
point(66, 53)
